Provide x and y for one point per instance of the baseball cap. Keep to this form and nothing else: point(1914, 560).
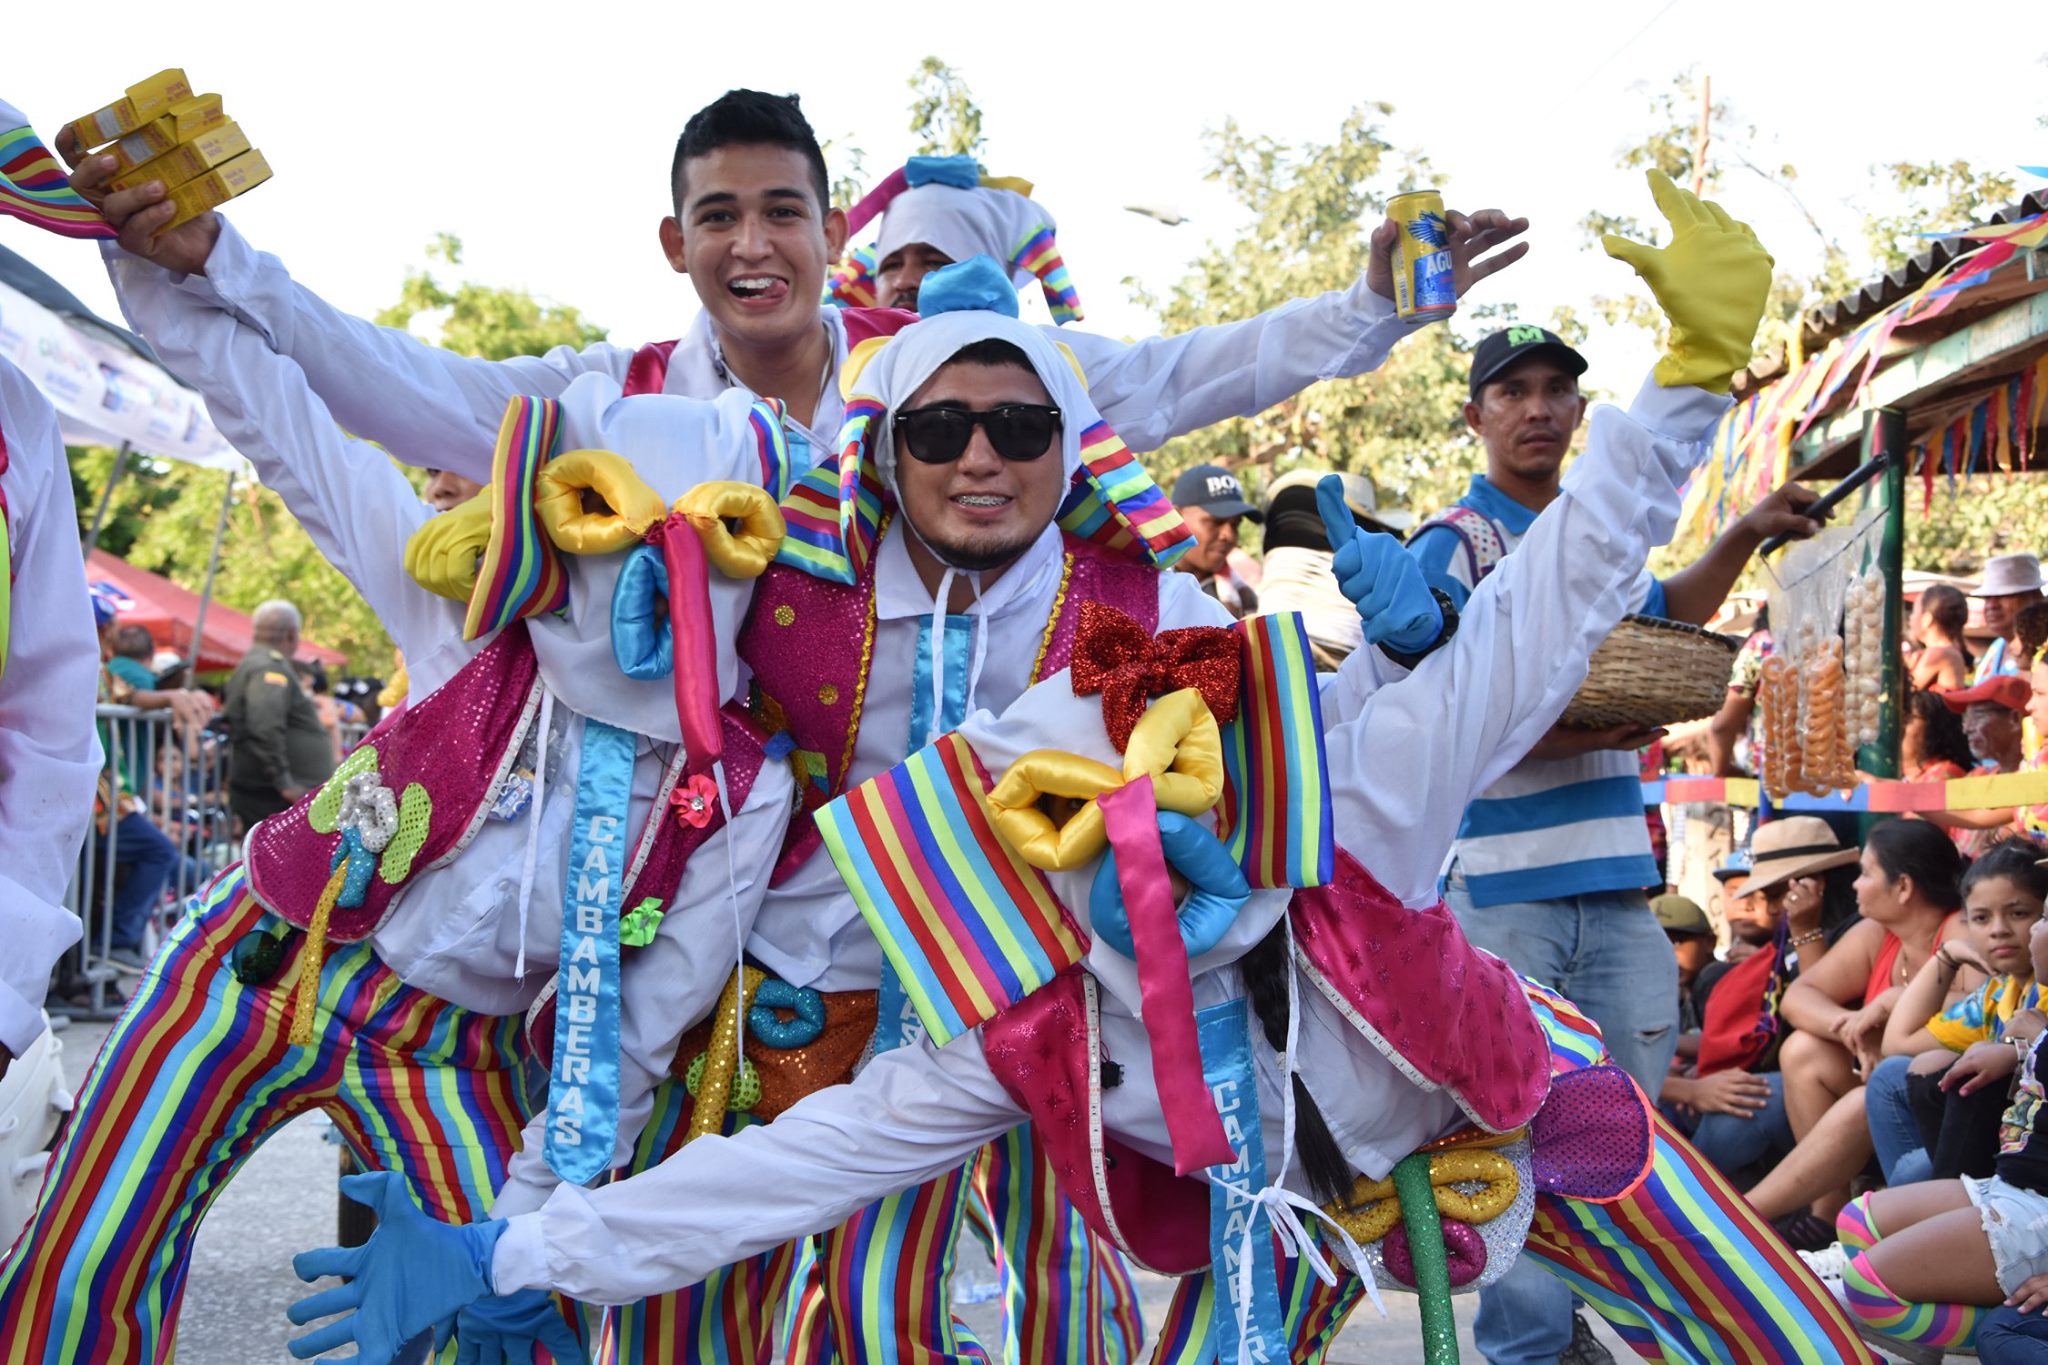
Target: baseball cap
point(1361, 495)
point(1512, 345)
point(1680, 915)
point(1216, 491)
point(2010, 690)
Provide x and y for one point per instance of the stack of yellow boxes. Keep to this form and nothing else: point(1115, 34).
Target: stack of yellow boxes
point(160, 130)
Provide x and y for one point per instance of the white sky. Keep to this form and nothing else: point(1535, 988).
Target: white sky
point(543, 138)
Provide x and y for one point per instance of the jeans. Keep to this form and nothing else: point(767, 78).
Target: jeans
point(2009, 1337)
point(1606, 953)
point(1893, 1132)
point(142, 863)
point(1733, 1143)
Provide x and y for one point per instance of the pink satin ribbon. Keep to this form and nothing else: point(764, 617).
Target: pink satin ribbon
point(693, 643)
point(1131, 816)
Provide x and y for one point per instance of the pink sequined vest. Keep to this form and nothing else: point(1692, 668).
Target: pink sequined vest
point(810, 643)
point(1441, 1011)
point(457, 744)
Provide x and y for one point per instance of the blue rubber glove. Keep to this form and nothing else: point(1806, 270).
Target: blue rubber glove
point(414, 1273)
point(504, 1330)
point(1380, 577)
point(1218, 889)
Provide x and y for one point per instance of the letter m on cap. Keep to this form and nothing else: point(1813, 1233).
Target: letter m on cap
point(1524, 336)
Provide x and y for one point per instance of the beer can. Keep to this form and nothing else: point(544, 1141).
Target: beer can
point(1423, 285)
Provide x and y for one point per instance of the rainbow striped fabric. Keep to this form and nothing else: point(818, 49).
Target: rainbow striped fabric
point(969, 927)
point(34, 188)
point(522, 572)
point(834, 512)
point(852, 282)
point(1275, 813)
point(1115, 503)
point(778, 465)
point(1039, 253)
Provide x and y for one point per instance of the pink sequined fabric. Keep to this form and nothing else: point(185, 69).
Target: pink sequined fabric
point(1445, 1010)
point(1038, 1050)
point(453, 742)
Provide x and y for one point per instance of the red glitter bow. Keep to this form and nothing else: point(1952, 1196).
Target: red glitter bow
point(1114, 656)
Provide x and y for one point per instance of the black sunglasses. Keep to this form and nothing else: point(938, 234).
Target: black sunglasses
point(1018, 431)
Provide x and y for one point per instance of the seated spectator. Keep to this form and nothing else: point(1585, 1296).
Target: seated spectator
point(1908, 1110)
point(1802, 902)
point(1941, 662)
point(1933, 747)
point(1929, 1259)
point(1993, 713)
point(1910, 896)
point(129, 655)
point(1295, 574)
point(1744, 939)
point(2011, 584)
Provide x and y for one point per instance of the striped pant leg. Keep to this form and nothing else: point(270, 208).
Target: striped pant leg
point(196, 1073)
point(884, 1279)
point(1685, 1270)
point(1068, 1295)
point(731, 1317)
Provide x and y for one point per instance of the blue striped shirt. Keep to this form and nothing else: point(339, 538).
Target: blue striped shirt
point(1551, 827)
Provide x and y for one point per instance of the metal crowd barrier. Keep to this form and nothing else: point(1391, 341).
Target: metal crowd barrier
point(150, 856)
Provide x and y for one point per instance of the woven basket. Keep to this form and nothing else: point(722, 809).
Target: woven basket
point(1652, 672)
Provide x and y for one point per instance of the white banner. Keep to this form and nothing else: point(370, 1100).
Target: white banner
point(106, 394)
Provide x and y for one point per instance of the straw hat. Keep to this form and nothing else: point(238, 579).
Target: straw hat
point(1797, 846)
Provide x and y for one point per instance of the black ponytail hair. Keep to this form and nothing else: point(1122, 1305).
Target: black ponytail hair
point(1265, 970)
point(2018, 861)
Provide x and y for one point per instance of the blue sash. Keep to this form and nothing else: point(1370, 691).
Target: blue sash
point(1224, 1033)
point(583, 1087)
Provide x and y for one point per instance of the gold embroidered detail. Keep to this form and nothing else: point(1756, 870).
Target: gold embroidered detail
point(828, 694)
point(785, 615)
point(1052, 622)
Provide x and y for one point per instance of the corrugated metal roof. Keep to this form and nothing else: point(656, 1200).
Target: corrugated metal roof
point(1830, 319)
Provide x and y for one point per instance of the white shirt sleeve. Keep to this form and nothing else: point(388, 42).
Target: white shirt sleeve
point(428, 406)
point(913, 1114)
point(49, 754)
point(358, 509)
point(666, 987)
point(1403, 769)
point(1154, 390)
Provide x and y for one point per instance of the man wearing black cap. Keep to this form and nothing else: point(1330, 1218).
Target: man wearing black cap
point(1548, 869)
point(1212, 502)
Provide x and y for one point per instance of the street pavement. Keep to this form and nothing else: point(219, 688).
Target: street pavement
point(284, 1201)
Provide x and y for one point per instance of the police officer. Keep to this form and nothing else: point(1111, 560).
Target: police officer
point(280, 749)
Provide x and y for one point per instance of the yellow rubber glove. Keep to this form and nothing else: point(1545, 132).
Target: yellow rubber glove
point(442, 555)
point(593, 502)
point(1711, 282)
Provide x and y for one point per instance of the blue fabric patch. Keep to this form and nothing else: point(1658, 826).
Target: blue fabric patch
point(1597, 798)
point(977, 284)
point(1223, 1032)
point(1583, 878)
point(961, 172)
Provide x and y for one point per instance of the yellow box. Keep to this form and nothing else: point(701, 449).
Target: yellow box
point(217, 186)
point(189, 160)
point(144, 101)
point(187, 120)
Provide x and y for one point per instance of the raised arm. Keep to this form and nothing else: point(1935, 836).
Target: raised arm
point(1403, 769)
point(49, 757)
point(1154, 390)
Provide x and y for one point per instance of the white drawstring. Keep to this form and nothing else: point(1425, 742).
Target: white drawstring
point(1283, 1207)
point(936, 645)
point(540, 792)
point(980, 629)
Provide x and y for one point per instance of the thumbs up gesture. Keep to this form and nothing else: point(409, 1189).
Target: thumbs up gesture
point(1711, 282)
point(1382, 580)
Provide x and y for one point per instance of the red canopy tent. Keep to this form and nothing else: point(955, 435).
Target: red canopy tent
point(167, 611)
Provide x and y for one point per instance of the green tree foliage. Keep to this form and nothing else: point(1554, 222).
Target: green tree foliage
point(162, 515)
point(943, 115)
point(480, 320)
point(1312, 209)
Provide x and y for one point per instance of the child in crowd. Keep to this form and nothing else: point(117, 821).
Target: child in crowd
point(1929, 1259)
